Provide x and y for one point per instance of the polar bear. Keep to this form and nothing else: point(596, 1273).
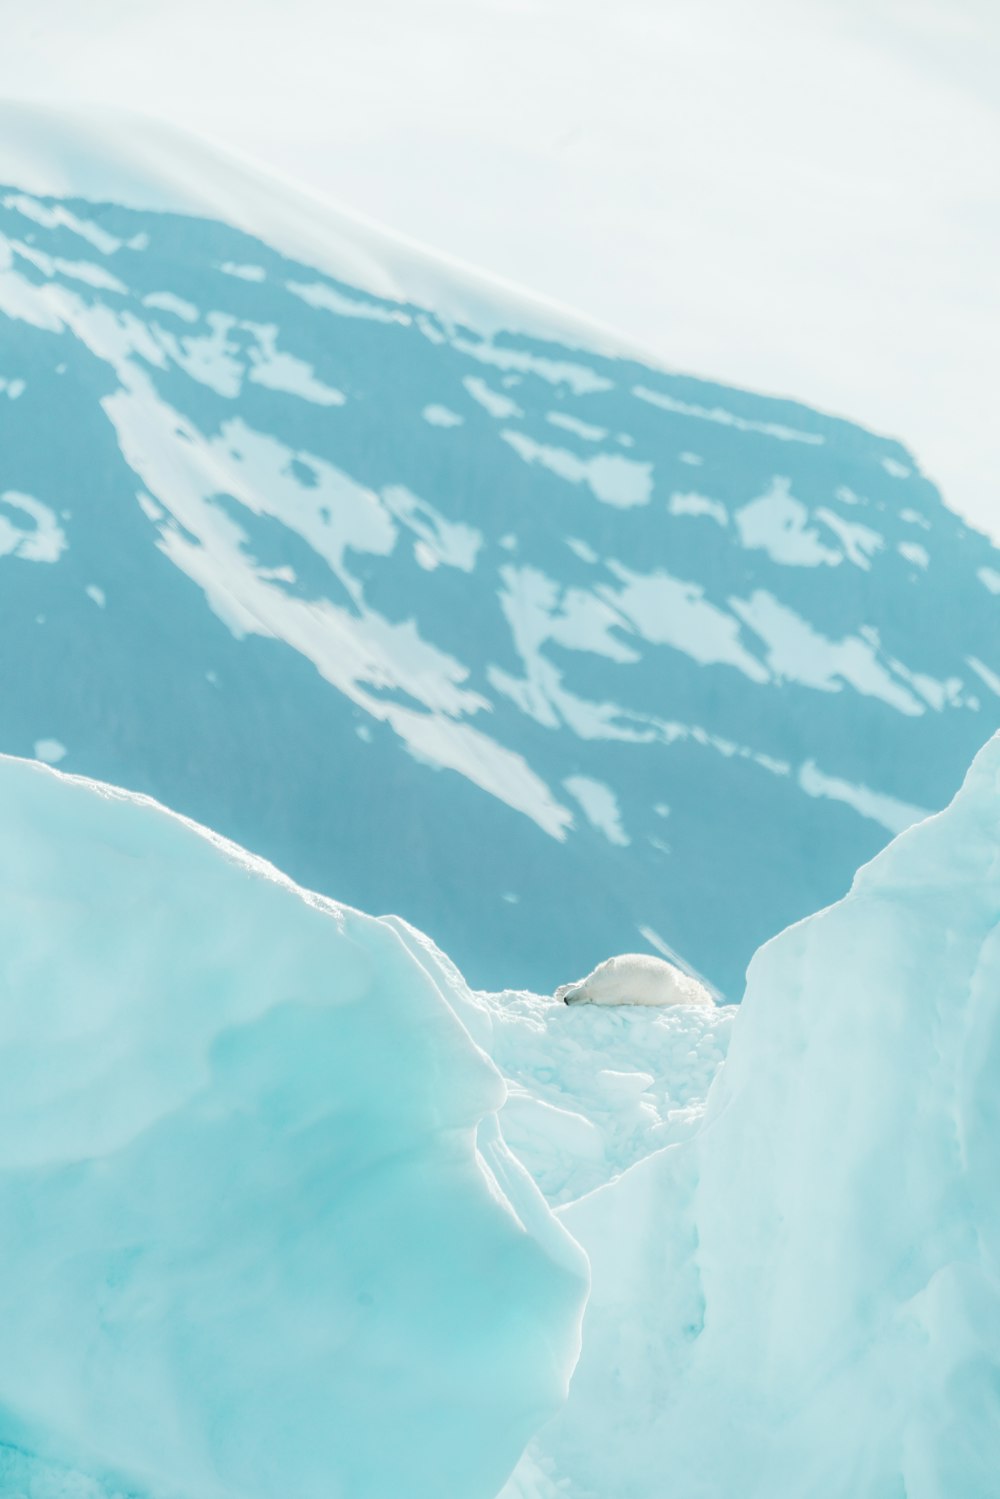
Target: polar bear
point(635, 979)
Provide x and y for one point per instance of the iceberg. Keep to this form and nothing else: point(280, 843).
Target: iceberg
point(259, 1232)
point(284, 1205)
point(802, 1299)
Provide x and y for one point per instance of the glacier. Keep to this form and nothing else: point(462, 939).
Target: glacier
point(290, 510)
point(259, 1231)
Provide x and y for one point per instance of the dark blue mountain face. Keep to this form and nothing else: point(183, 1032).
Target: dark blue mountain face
point(552, 653)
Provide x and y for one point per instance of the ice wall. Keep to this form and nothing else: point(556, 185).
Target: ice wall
point(803, 1301)
point(248, 1242)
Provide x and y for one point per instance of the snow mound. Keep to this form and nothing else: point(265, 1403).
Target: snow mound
point(591, 1090)
point(258, 1231)
point(804, 1298)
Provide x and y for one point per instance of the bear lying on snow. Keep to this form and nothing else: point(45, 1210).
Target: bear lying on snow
point(635, 979)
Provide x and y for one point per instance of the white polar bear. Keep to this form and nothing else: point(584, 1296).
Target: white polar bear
point(635, 979)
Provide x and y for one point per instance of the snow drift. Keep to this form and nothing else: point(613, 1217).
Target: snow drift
point(258, 1232)
point(803, 1300)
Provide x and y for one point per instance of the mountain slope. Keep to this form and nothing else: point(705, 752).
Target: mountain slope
point(549, 651)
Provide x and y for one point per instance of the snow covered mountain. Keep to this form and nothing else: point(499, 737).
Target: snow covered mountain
point(550, 651)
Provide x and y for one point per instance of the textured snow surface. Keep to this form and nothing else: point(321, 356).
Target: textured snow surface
point(592, 1091)
point(803, 1298)
point(259, 1234)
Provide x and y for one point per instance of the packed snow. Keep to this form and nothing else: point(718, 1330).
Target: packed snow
point(591, 1089)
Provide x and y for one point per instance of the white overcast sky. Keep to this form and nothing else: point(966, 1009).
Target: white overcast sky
point(799, 196)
